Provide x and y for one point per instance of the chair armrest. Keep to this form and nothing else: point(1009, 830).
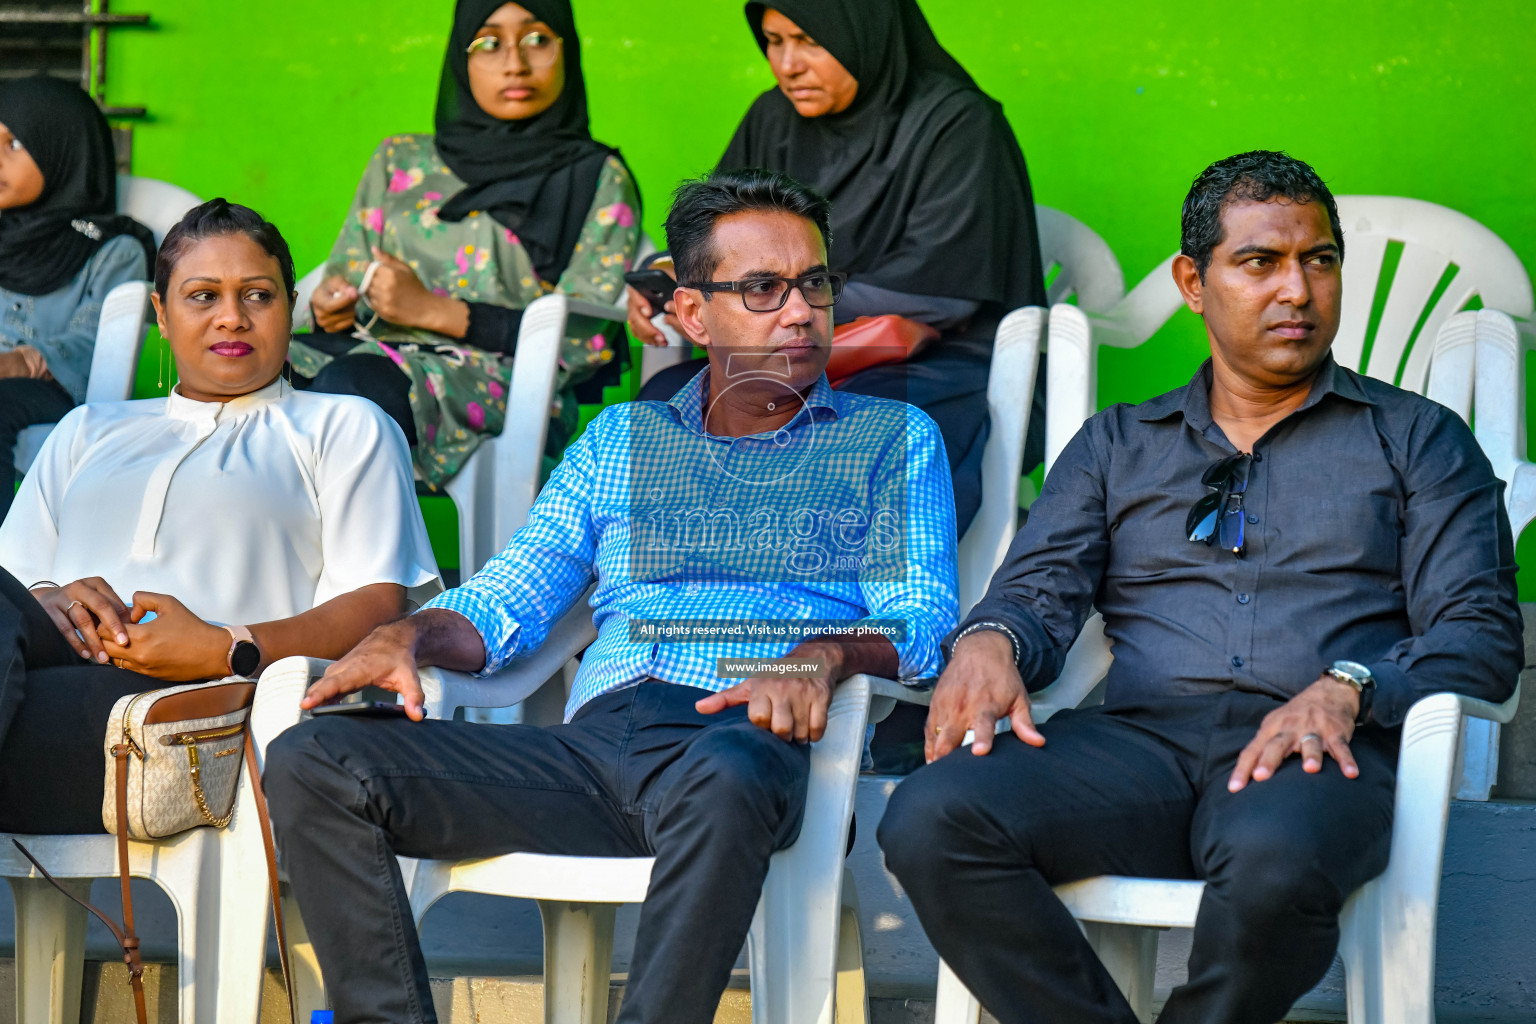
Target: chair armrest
point(446, 692)
point(596, 310)
point(1503, 713)
point(278, 693)
point(119, 340)
point(884, 695)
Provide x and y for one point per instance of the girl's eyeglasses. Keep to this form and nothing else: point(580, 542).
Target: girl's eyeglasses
point(538, 49)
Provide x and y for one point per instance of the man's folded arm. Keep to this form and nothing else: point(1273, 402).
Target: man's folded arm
point(521, 593)
point(1458, 564)
point(1045, 588)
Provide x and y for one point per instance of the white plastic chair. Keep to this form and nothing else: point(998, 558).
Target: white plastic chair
point(804, 936)
point(158, 205)
point(1085, 265)
point(1494, 343)
point(1389, 925)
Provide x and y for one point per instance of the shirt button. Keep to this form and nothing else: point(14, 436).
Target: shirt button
point(1242, 598)
point(1252, 518)
point(1258, 456)
point(1237, 662)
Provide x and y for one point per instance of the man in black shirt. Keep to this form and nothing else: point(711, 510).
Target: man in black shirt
point(1287, 555)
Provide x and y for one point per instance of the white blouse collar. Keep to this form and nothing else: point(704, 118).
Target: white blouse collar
point(179, 407)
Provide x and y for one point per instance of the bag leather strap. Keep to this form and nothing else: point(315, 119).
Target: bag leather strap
point(125, 935)
point(122, 752)
point(253, 776)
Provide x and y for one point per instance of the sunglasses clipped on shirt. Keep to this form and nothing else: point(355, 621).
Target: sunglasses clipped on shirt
point(1219, 515)
point(768, 294)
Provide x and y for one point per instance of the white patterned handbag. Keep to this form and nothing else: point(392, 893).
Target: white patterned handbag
point(180, 749)
point(173, 763)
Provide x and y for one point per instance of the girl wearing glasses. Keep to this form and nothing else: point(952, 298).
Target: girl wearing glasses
point(451, 236)
point(932, 216)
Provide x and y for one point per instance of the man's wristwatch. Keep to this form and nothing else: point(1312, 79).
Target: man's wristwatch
point(1358, 676)
point(244, 655)
point(995, 626)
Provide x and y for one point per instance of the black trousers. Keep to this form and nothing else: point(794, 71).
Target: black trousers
point(1139, 790)
point(25, 402)
point(637, 772)
point(53, 717)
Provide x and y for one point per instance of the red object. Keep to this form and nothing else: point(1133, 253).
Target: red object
point(875, 341)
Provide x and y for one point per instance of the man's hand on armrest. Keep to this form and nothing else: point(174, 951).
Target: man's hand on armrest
point(795, 707)
point(388, 657)
point(981, 685)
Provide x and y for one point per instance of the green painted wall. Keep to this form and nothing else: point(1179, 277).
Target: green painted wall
point(1117, 103)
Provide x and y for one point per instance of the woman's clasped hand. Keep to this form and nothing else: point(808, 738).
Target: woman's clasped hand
point(155, 636)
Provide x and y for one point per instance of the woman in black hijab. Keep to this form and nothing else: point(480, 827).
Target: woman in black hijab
point(451, 236)
point(63, 247)
point(932, 216)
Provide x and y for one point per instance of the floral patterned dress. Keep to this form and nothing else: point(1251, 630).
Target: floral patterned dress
point(459, 393)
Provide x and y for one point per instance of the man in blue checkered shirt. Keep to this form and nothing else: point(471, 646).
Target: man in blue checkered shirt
point(757, 518)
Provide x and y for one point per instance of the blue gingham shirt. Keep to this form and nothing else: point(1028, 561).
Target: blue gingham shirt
point(845, 513)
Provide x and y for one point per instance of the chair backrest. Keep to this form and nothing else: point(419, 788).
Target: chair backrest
point(1445, 258)
point(1010, 394)
point(156, 204)
point(1082, 262)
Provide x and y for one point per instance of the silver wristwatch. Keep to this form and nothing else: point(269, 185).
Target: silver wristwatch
point(1358, 676)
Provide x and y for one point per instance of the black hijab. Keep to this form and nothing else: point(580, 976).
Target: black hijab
point(930, 195)
point(536, 176)
point(44, 244)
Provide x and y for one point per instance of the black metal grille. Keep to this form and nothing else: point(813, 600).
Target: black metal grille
point(67, 39)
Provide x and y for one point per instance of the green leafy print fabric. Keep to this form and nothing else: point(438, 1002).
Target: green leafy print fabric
point(459, 393)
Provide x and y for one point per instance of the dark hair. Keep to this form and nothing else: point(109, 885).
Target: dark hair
point(697, 204)
point(221, 217)
point(1257, 177)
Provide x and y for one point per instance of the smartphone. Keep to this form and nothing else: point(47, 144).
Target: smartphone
point(655, 285)
point(363, 709)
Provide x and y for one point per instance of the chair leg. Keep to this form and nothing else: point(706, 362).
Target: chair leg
point(578, 961)
point(1129, 953)
point(954, 1003)
point(852, 1003)
point(50, 950)
point(1366, 983)
point(308, 985)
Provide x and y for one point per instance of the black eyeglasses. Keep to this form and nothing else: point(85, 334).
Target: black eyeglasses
point(1219, 515)
point(767, 294)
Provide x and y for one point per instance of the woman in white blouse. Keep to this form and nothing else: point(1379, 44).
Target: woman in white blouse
point(242, 521)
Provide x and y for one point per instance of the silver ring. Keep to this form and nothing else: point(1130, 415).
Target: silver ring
point(1311, 736)
point(71, 605)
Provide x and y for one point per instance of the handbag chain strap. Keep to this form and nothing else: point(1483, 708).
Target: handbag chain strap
point(126, 936)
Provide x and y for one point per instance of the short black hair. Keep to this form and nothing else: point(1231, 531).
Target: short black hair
point(698, 203)
point(1257, 177)
point(221, 217)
